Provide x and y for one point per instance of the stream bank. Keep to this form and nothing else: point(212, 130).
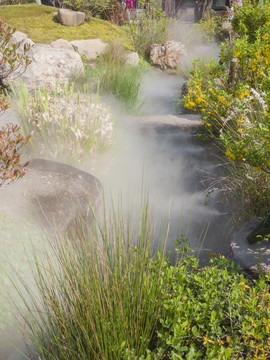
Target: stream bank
point(173, 164)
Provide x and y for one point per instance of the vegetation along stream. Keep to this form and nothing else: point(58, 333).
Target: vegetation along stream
point(115, 243)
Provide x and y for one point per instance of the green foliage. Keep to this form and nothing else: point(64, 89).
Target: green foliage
point(251, 19)
point(110, 293)
point(212, 26)
point(112, 75)
point(149, 27)
point(63, 124)
point(213, 312)
point(97, 296)
point(234, 96)
point(12, 60)
point(16, 2)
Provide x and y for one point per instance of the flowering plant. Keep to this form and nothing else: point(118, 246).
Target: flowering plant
point(64, 124)
point(233, 97)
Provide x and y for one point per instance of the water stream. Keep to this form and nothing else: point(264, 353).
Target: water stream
point(172, 163)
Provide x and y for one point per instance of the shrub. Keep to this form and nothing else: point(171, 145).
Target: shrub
point(234, 97)
point(17, 2)
point(12, 60)
point(111, 293)
point(149, 27)
point(103, 302)
point(63, 124)
point(91, 8)
point(213, 312)
point(251, 19)
point(212, 26)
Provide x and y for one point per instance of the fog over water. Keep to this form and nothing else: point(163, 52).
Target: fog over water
point(171, 164)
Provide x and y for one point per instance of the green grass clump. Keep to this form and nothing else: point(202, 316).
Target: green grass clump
point(111, 293)
point(98, 300)
point(40, 25)
point(112, 75)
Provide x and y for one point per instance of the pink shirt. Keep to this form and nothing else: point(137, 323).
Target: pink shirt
point(130, 4)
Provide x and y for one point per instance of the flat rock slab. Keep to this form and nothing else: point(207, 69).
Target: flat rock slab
point(91, 48)
point(53, 193)
point(250, 256)
point(191, 123)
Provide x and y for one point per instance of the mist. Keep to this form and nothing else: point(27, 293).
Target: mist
point(169, 164)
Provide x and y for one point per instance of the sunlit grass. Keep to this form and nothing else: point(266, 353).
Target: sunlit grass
point(40, 24)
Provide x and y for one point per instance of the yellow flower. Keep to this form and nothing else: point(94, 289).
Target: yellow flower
point(230, 155)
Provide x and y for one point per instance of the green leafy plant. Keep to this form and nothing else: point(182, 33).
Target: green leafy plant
point(12, 60)
point(16, 2)
point(149, 27)
point(63, 123)
point(212, 26)
point(91, 8)
point(213, 312)
point(251, 19)
point(233, 97)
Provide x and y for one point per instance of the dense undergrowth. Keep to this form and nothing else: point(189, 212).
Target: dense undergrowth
point(233, 97)
point(110, 292)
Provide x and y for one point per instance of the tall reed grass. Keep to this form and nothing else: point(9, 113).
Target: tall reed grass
point(112, 75)
point(98, 299)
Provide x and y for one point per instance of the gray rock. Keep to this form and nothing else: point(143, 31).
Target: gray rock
point(52, 193)
point(191, 123)
point(250, 256)
point(63, 44)
point(132, 58)
point(19, 36)
point(90, 48)
point(167, 54)
point(21, 39)
point(70, 18)
point(50, 66)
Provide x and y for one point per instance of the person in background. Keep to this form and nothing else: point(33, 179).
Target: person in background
point(129, 5)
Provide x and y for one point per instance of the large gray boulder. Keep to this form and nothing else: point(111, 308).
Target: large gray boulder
point(250, 256)
point(167, 54)
point(90, 48)
point(53, 193)
point(50, 66)
point(70, 18)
